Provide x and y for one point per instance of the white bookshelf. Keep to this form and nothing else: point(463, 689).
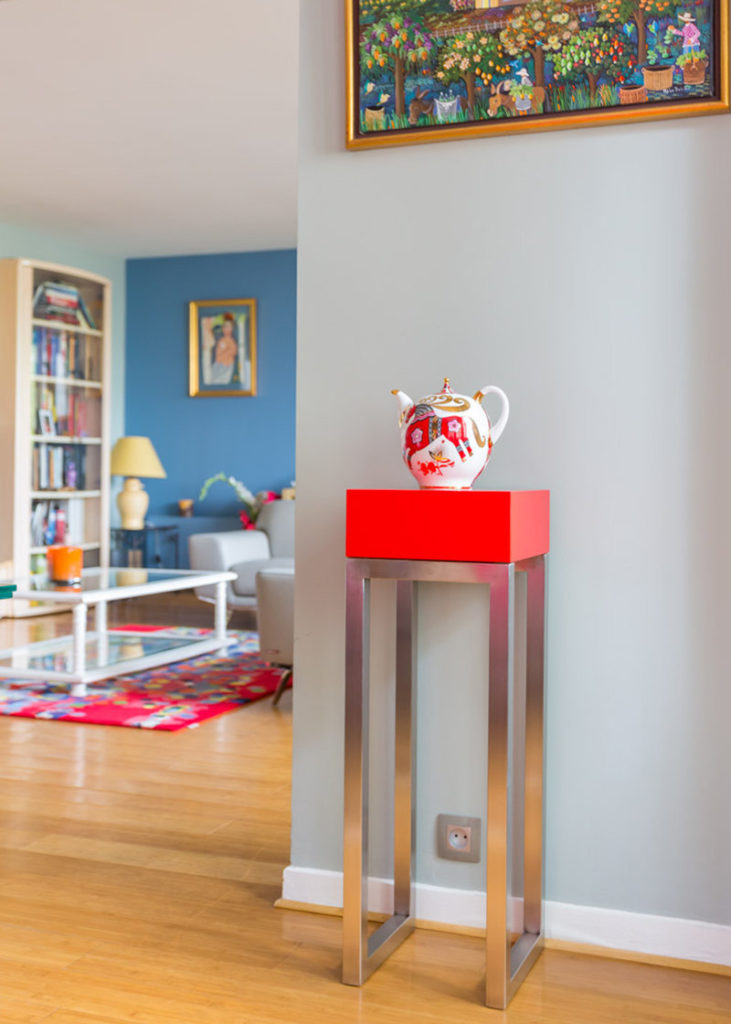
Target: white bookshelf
point(88, 384)
point(39, 322)
point(63, 368)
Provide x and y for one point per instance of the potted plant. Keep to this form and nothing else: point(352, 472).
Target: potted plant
point(693, 65)
point(658, 72)
point(522, 93)
point(253, 503)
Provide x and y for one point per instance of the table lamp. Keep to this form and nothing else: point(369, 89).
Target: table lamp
point(133, 457)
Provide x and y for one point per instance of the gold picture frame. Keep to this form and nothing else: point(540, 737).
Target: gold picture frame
point(420, 92)
point(222, 348)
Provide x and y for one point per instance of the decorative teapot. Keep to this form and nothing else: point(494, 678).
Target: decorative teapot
point(446, 439)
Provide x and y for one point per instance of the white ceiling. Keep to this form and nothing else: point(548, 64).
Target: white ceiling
point(151, 127)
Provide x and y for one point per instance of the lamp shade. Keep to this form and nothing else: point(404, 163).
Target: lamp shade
point(135, 456)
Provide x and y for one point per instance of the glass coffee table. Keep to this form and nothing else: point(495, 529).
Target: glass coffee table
point(88, 657)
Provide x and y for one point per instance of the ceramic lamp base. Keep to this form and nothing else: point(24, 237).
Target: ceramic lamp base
point(132, 502)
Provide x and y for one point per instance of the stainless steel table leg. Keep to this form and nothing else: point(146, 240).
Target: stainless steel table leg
point(497, 952)
point(404, 827)
point(533, 882)
point(527, 947)
point(363, 954)
point(355, 852)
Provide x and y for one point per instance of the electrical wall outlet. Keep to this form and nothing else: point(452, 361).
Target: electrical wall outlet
point(458, 838)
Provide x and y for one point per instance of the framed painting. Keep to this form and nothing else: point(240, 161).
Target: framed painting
point(45, 423)
point(222, 348)
point(428, 70)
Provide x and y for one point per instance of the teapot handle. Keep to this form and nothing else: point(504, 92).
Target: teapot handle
point(498, 427)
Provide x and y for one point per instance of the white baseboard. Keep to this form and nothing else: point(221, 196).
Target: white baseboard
point(647, 934)
point(674, 937)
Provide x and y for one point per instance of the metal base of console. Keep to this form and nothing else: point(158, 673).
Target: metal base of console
point(508, 959)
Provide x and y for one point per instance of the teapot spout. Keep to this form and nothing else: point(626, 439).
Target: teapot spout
point(404, 402)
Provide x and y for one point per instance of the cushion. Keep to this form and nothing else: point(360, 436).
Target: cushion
point(245, 583)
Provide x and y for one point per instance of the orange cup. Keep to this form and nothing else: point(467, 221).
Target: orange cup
point(64, 563)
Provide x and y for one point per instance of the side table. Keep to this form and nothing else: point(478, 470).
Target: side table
point(479, 537)
point(152, 547)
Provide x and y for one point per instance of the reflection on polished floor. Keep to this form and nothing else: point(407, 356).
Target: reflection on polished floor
point(138, 873)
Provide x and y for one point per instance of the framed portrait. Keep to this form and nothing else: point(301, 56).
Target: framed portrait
point(46, 426)
point(222, 348)
point(430, 70)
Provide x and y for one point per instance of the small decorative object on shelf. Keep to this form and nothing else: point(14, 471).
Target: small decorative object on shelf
point(252, 503)
point(185, 507)
point(446, 439)
point(59, 524)
point(45, 423)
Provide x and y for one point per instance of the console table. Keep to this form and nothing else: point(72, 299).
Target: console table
point(483, 537)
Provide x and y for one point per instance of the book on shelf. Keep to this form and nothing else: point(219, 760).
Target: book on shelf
point(56, 300)
point(72, 414)
point(56, 467)
point(46, 515)
point(63, 353)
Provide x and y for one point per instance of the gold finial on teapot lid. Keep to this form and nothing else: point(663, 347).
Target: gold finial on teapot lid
point(447, 385)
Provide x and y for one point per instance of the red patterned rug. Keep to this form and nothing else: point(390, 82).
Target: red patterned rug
point(172, 697)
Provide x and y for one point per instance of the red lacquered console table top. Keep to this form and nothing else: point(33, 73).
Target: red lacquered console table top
point(448, 526)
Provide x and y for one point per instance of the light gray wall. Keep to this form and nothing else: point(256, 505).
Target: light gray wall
point(586, 273)
point(18, 242)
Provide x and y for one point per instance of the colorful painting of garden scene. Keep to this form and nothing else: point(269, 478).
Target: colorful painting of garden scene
point(430, 64)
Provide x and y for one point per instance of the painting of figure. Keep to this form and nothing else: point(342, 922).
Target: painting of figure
point(223, 348)
point(434, 69)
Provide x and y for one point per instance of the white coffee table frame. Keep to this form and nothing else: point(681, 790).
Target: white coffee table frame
point(80, 600)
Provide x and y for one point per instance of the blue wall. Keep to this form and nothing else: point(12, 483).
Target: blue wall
point(249, 438)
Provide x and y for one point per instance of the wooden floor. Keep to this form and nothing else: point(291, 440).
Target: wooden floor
point(138, 872)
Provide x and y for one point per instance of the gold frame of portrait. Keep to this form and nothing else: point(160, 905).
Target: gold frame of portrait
point(509, 126)
point(194, 309)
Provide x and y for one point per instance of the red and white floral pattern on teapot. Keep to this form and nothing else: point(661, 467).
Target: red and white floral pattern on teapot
point(446, 438)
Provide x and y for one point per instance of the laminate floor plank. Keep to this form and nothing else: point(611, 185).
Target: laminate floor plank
point(15, 1012)
point(138, 872)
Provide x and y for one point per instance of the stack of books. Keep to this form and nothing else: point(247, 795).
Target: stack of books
point(54, 300)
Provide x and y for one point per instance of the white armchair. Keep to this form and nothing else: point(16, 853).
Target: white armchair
point(246, 552)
